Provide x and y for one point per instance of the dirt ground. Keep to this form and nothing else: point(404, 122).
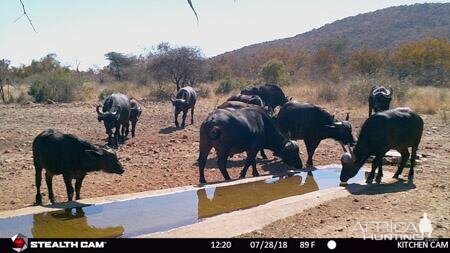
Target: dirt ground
point(162, 156)
point(395, 202)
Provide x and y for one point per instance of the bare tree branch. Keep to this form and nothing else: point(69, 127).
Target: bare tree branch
point(26, 15)
point(193, 9)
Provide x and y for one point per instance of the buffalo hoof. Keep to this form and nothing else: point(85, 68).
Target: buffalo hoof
point(343, 184)
point(378, 181)
point(255, 174)
point(369, 181)
point(177, 125)
point(38, 201)
point(201, 182)
point(183, 125)
point(240, 177)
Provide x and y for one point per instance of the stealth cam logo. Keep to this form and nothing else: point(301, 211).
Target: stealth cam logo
point(19, 242)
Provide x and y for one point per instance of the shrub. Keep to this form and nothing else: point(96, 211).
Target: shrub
point(359, 89)
point(40, 91)
point(59, 85)
point(274, 71)
point(226, 86)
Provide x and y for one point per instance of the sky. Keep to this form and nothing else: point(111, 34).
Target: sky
point(82, 31)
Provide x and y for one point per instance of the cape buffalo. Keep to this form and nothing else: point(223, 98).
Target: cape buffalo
point(248, 129)
point(185, 100)
point(70, 156)
point(379, 99)
point(303, 121)
point(397, 129)
point(248, 99)
point(115, 114)
point(233, 105)
point(271, 94)
point(135, 114)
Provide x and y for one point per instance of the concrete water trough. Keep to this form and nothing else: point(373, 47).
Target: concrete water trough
point(192, 211)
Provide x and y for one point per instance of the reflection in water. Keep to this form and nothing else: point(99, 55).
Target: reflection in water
point(68, 224)
point(167, 211)
point(213, 201)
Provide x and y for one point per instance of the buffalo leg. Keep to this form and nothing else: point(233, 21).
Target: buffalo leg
point(127, 129)
point(117, 136)
point(202, 158)
point(405, 156)
point(251, 155)
point(48, 180)
point(78, 183)
point(263, 155)
point(192, 115)
point(380, 171)
point(370, 110)
point(372, 172)
point(255, 171)
point(311, 146)
point(133, 128)
point(222, 163)
point(183, 122)
point(69, 187)
point(413, 163)
point(176, 118)
point(38, 180)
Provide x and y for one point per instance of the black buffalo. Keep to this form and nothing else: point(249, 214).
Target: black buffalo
point(397, 129)
point(379, 99)
point(243, 130)
point(70, 156)
point(185, 100)
point(233, 105)
point(115, 113)
point(248, 99)
point(271, 94)
point(312, 124)
point(135, 114)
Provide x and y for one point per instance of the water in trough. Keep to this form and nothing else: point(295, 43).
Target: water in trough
point(164, 212)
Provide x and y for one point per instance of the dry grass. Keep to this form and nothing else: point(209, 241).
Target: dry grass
point(429, 100)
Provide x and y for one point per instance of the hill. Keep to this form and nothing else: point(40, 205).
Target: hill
point(381, 29)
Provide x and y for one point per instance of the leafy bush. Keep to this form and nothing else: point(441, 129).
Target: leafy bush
point(40, 91)
point(59, 85)
point(226, 86)
point(274, 71)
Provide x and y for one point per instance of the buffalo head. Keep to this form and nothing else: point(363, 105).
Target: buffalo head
point(349, 166)
point(290, 155)
point(104, 159)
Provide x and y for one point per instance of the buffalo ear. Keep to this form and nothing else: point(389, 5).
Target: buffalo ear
point(347, 117)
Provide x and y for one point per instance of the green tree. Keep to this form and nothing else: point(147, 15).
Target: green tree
point(274, 71)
